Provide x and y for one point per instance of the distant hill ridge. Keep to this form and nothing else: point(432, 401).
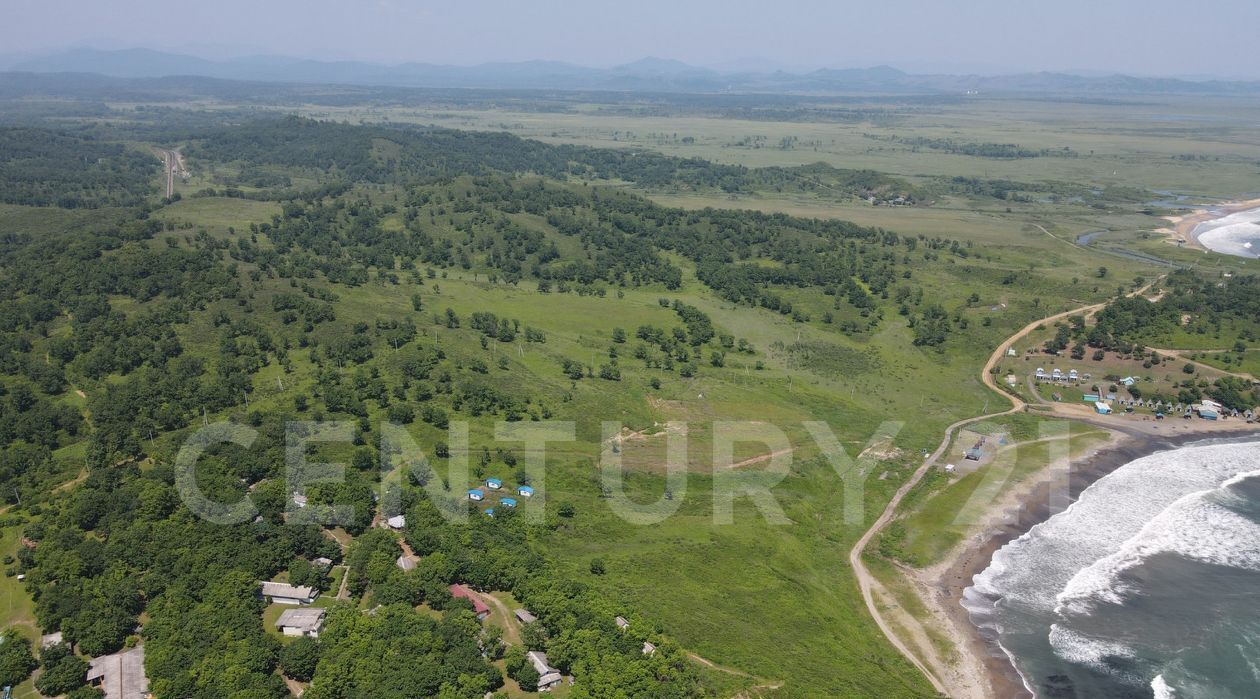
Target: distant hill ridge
point(647, 74)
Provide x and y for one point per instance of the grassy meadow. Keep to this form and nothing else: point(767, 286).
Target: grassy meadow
point(774, 604)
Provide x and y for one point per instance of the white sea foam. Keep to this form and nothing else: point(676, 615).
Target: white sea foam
point(1032, 570)
point(1078, 648)
point(1161, 688)
point(1231, 234)
point(1193, 527)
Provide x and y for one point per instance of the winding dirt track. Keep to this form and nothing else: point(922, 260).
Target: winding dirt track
point(867, 582)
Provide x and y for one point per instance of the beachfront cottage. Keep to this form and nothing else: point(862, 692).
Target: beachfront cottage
point(548, 676)
point(284, 593)
point(121, 675)
point(301, 622)
point(479, 607)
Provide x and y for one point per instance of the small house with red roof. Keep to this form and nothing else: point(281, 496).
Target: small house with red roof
point(462, 592)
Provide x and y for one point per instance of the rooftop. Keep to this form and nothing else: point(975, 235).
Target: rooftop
point(524, 616)
point(307, 619)
point(279, 589)
point(121, 675)
point(462, 592)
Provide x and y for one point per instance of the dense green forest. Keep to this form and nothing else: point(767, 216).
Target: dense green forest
point(41, 167)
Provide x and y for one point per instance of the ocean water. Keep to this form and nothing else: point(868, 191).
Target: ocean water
point(1237, 234)
point(1147, 586)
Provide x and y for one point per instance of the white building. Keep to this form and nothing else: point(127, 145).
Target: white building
point(548, 676)
point(301, 622)
point(284, 593)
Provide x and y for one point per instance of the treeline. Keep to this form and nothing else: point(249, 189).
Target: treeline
point(392, 154)
point(42, 167)
point(1000, 151)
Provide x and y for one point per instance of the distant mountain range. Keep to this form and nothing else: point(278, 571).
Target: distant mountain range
point(648, 75)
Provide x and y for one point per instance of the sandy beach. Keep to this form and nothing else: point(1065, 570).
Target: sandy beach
point(1024, 507)
point(1181, 227)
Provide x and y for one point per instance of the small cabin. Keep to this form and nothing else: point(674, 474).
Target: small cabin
point(525, 491)
point(476, 495)
point(524, 616)
point(301, 622)
point(494, 483)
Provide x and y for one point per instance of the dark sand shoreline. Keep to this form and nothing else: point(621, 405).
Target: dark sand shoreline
point(1037, 507)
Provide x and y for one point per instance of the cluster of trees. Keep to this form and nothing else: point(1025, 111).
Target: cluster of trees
point(1001, 151)
point(1191, 303)
point(43, 167)
point(347, 152)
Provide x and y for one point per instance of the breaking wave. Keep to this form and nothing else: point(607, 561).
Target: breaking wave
point(1100, 599)
point(1196, 527)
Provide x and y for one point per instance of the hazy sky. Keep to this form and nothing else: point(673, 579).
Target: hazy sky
point(1166, 37)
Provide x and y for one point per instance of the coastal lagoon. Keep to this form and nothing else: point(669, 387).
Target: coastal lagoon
point(1148, 585)
point(1235, 234)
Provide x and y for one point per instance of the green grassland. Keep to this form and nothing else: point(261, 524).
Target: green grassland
point(773, 601)
point(951, 508)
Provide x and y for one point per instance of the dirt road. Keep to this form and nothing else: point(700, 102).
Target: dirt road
point(867, 583)
point(173, 161)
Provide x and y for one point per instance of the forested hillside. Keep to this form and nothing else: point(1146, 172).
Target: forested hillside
point(41, 167)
